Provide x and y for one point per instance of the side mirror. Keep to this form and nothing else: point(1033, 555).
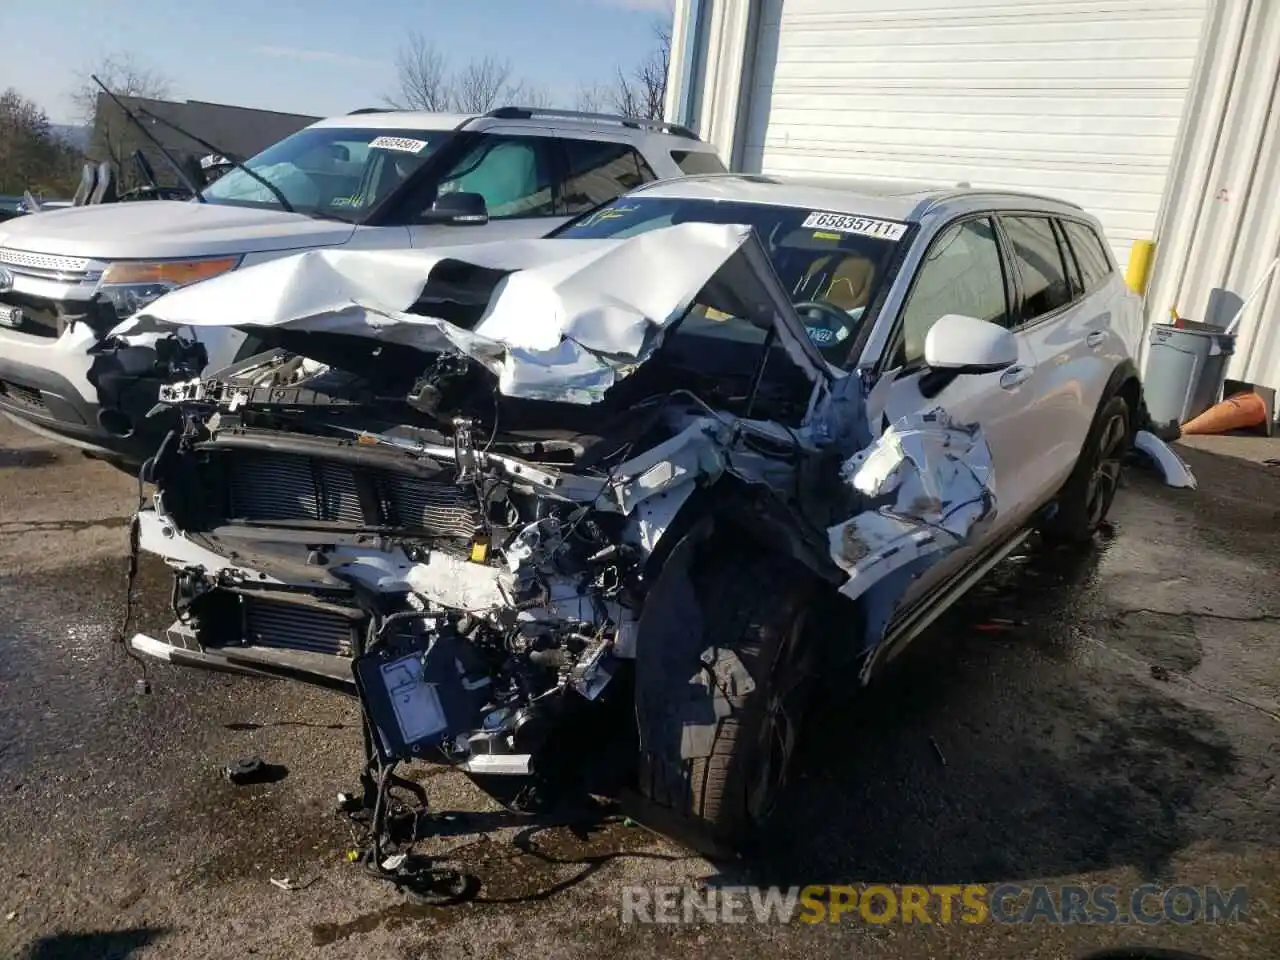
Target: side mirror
point(959, 344)
point(458, 209)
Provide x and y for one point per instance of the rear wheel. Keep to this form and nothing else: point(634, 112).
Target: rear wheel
point(755, 608)
point(1090, 490)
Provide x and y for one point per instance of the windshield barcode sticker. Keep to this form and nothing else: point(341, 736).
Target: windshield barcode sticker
point(403, 144)
point(862, 226)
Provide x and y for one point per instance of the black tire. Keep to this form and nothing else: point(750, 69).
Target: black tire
point(1087, 495)
point(755, 607)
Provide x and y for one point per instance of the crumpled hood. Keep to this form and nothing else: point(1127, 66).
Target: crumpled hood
point(148, 229)
point(557, 319)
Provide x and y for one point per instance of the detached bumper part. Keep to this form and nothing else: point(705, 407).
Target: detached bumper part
point(1170, 466)
point(181, 649)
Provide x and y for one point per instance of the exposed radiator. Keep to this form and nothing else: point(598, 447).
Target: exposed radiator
point(273, 486)
point(291, 626)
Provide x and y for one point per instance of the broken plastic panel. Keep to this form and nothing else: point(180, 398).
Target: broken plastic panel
point(416, 693)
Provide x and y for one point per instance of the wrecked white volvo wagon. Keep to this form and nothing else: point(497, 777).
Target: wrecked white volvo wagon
point(705, 442)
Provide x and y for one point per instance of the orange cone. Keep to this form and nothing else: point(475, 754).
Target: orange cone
point(1240, 412)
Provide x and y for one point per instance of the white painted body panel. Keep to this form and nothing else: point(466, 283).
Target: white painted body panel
point(1076, 351)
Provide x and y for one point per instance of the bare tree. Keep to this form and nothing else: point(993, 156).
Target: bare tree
point(643, 91)
point(427, 81)
point(479, 85)
point(532, 95)
point(113, 136)
point(123, 76)
point(423, 74)
point(593, 98)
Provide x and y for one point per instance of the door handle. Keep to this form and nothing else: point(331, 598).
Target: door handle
point(1095, 339)
point(1014, 377)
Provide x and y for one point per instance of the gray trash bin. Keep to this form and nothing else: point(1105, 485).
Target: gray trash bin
point(1185, 369)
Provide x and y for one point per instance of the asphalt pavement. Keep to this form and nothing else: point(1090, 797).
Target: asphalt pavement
point(1101, 717)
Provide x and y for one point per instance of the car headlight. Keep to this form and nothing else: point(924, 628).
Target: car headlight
point(132, 284)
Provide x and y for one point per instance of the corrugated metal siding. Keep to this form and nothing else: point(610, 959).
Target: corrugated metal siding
point(1221, 228)
point(1081, 98)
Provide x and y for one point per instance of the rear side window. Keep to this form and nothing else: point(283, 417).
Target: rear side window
point(694, 162)
point(1095, 265)
point(597, 171)
point(1038, 260)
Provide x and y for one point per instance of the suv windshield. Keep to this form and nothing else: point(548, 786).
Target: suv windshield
point(833, 264)
point(340, 172)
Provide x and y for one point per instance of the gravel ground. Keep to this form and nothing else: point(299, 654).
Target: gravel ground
point(1123, 730)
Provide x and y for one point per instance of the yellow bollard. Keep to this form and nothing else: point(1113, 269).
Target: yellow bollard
point(1139, 271)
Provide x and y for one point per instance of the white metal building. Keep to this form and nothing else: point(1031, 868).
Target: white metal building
point(1162, 117)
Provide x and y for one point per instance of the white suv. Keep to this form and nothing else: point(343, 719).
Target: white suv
point(372, 179)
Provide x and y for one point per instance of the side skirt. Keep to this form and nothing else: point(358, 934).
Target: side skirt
point(911, 623)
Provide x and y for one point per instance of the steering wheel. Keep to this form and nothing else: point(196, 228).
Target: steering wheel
point(826, 335)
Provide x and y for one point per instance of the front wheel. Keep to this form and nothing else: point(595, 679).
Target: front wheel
point(1090, 490)
point(755, 609)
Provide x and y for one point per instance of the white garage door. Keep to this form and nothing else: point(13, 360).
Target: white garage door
point(1078, 98)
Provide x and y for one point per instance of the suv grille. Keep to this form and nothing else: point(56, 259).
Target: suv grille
point(266, 487)
point(49, 267)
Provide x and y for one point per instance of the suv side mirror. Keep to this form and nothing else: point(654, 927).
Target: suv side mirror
point(959, 344)
point(459, 210)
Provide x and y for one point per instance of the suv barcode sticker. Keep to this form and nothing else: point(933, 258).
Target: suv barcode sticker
point(403, 144)
point(862, 226)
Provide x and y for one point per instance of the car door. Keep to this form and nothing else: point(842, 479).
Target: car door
point(517, 176)
point(1054, 321)
point(964, 272)
point(1104, 331)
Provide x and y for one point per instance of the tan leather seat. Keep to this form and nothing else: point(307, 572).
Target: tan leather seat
point(848, 282)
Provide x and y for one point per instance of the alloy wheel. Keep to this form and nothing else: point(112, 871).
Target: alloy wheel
point(1105, 479)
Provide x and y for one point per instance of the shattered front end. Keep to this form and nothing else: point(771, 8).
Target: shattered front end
point(510, 575)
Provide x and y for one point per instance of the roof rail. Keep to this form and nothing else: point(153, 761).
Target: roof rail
point(637, 123)
point(371, 110)
point(996, 192)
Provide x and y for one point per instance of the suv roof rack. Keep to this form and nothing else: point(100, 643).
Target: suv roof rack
point(636, 123)
point(372, 110)
point(947, 195)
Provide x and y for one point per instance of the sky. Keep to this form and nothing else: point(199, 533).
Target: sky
point(315, 57)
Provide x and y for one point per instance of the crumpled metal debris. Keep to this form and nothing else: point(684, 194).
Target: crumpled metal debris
point(564, 320)
point(931, 483)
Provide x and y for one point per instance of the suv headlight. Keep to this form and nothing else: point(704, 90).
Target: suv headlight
point(131, 284)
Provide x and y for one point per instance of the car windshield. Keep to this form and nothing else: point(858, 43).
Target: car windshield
point(832, 263)
point(339, 172)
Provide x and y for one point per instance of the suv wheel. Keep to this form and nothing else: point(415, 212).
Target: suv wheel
point(755, 608)
point(1089, 491)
